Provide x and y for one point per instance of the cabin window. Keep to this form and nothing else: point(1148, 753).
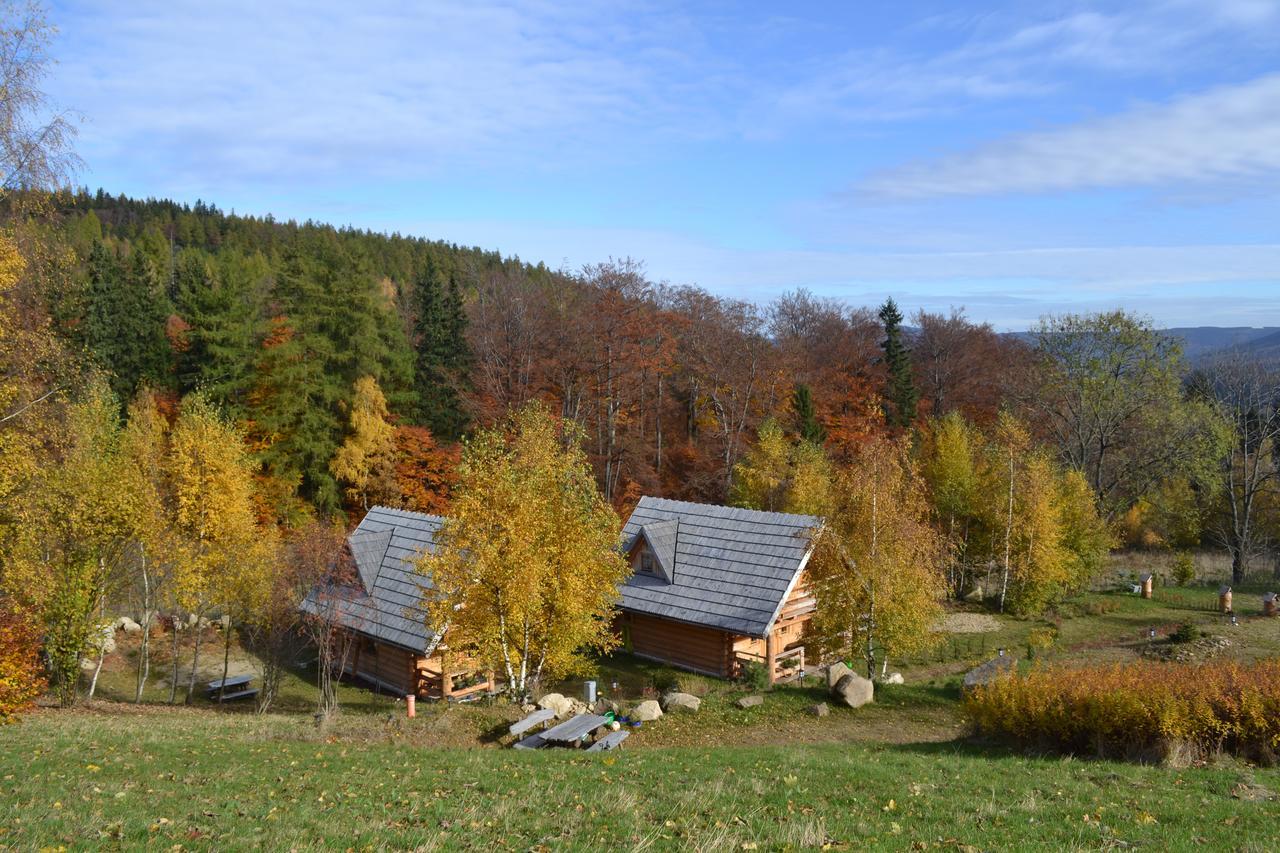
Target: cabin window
point(646, 562)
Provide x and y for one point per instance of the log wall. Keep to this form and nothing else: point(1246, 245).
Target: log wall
point(693, 647)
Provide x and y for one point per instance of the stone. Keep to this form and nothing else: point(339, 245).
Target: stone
point(819, 710)
point(853, 691)
point(223, 621)
point(124, 623)
point(528, 708)
point(835, 672)
point(892, 678)
point(989, 671)
point(681, 702)
point(557, 703)
point(647, 711)
point(604, 706)
point(749, 701)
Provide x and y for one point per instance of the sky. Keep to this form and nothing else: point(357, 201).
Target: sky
point(1014, 159)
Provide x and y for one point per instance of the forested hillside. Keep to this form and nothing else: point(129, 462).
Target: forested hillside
point(275, 322)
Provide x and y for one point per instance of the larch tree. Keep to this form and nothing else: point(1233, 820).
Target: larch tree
point(366, 460)
point(878, 562)
point(526, 568)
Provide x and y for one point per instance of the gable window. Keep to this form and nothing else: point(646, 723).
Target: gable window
point(646, 562)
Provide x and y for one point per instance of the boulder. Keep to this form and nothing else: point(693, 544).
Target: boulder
point(749, 701)
point(892, 678)
point(681, 702)
point(646, 711)
point(989, 671)
point(819, 710)
point(557, 703)
point(604, 706)
point(853, 691)
point(835, 672)
point(124, 623)
point(528, 708)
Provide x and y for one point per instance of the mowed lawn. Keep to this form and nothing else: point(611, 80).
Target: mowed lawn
point(202, 779)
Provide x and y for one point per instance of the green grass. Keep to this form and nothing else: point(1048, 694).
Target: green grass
point(225, 781)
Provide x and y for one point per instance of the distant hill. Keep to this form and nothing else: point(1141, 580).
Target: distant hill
point(1200, 341)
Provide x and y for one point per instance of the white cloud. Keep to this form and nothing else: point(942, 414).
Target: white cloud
point(1225, 135)
point(273, 91)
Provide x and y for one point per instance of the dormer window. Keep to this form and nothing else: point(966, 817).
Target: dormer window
point(646, 562)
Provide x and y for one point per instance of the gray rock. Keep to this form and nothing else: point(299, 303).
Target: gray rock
point(835, 672)
point(528, 708)
point(124, 623)
point(892, 678)
point(557, 703)
point(749, 701)
point(819, 710)
point(989, 671)
point(853, 691)
point(681, 702)
point(646, 711)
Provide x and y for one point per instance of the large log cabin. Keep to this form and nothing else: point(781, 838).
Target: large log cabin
point(384, 615)
point(715, 588)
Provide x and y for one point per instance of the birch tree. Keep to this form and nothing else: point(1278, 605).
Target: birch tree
point(878, 563)
point(526, 569)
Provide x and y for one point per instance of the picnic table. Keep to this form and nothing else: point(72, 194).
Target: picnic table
point(572, 731)
point(612, 740)
point(228, 689)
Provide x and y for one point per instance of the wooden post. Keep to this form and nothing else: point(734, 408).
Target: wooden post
point(1224, 599)
point(411, 705)
point(1147, 585)
point(770, 655)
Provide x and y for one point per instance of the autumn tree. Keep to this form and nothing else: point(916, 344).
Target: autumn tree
point(782, 475)
point(1110, 398)
point(21, 673)
point(878, 562)
point(212, 487)
point(950, 465)
point(1246, 392)
point(526, 568)
point(366, 460)
point(424, 470)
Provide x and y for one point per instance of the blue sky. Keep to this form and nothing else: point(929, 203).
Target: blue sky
point(1015, 159)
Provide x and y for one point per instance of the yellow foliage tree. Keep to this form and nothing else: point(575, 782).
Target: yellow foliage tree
point(779, 475)
point(366, 459)
point(222, 546)
point(526, 568)
point(877, 567)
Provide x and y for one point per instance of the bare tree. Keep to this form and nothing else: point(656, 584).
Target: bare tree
point(1246, 392)
point(35, 136)
point(323, 566)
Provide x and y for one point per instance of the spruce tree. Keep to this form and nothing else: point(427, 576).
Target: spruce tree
point(124, 321)
point(806, 416)
point(901, 395)
point(442, 353)
point(219, 352)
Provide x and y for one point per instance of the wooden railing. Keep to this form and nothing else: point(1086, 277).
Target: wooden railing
point(788, 665)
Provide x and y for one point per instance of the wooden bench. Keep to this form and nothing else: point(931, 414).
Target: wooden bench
point(533, 741)
point(610, 741)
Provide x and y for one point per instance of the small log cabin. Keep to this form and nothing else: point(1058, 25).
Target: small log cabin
point(385, 616)
point(716, 588)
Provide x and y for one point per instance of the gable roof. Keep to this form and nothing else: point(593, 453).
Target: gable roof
point(387, 605)
point(731, 568)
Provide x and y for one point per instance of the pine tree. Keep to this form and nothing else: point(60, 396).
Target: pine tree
point(901, 395)
point(807, 424)
point(442, 353)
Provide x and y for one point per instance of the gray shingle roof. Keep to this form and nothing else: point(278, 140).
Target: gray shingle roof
point(732, 567)
point(388, 606)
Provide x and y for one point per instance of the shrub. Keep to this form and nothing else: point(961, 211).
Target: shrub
point(1041, 640)
point(21, 675)
point(1185, 633)
point(1184, 568)
point(754, 675)
point(1137, 710)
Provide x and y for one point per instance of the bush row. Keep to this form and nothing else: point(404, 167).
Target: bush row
point(1144, 710)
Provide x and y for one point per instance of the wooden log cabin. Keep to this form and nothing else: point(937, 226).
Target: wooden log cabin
point(384, 614)
point(714, 589)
